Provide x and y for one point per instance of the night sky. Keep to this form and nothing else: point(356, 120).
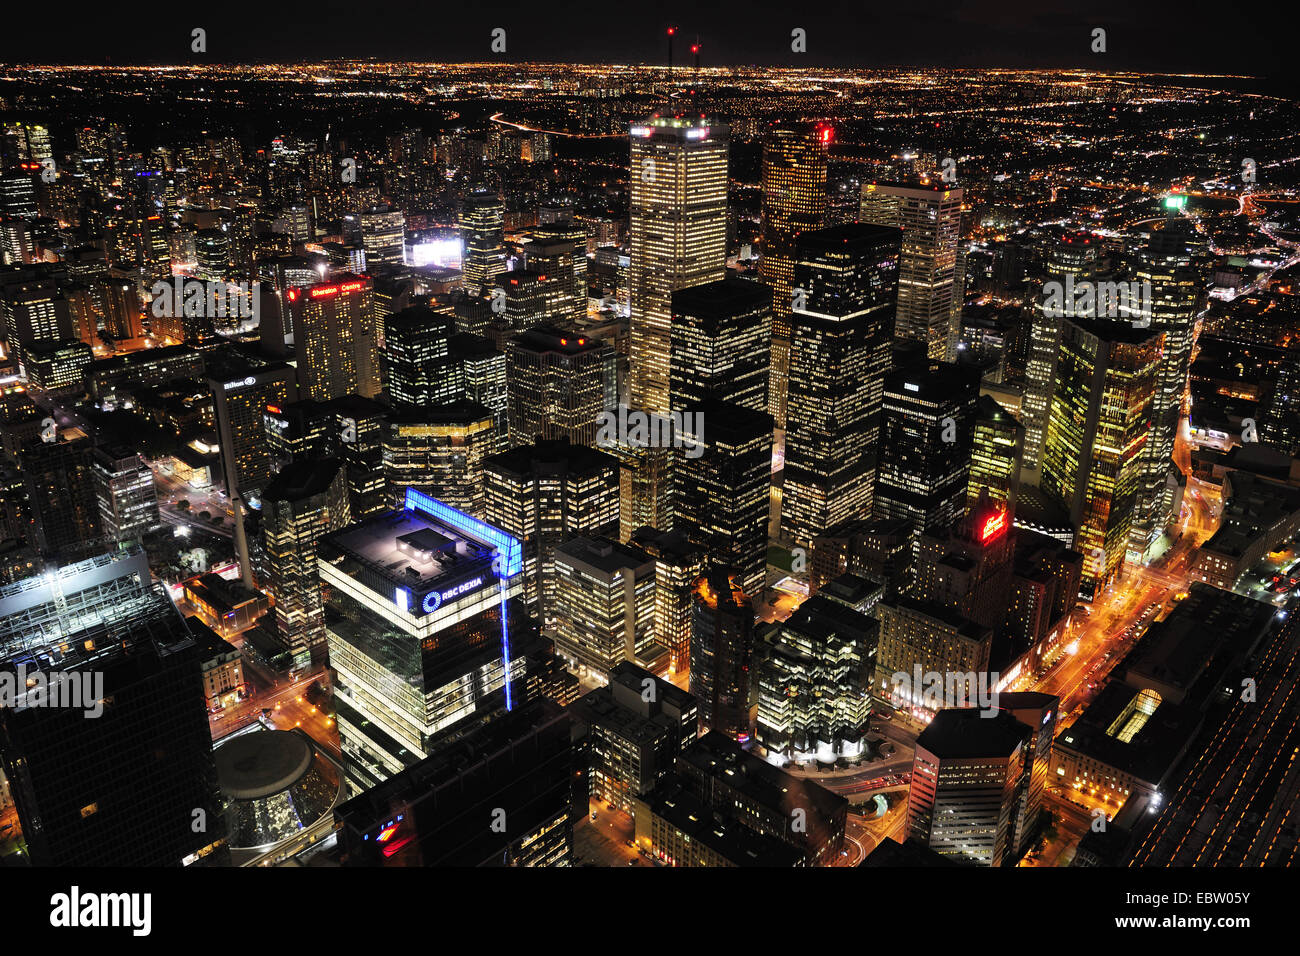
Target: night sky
point(1193, 36)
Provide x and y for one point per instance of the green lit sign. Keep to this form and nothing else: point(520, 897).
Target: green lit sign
point(1175, 201)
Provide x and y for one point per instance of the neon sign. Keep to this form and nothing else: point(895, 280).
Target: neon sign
point(433, 600)
point(994, 526)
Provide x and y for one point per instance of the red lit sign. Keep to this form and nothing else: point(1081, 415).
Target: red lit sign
point(994, 526)
point(325, 291)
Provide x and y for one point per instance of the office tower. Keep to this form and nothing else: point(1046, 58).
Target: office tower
point(722, 652)
point(359, 424)
point(525, 772)
point(136, 786)
point(918, 634)
point(739, 785)
point(678, 236)
point(420, 630)
point(1166, 262)
point(383, 232)
point(605, 607)
point(967, 568)
point(720, 344)
point(678, 565)
point(440, 451)
point(544, 494)
point(124, 487)
point(966, 783)
point(1072, 258)
point(61, 490)
point(1044, 593)
point(57, 367)
point(1040, 713)
point(560, 383)
point(33, 311)
point(526, 301)
point(722, 487)
point(213, 248)
point(298, 431)
point(18, 192)
point(1097, 430)
point(931, 270)
point(418, 370)
point(845, 279)
point(925, 441)
point(482, 221)
point(44, 610)
point(242, 391)
point(482, 369)
point(815, 673)
point(304, 502)
point(558, 251)
point(880, 548)
point(996, 453)
point(677, 828)
point(335, 337)
point(634, 728)
point(794, 202)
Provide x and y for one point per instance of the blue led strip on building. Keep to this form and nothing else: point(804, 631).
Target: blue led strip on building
point(511, 551)
point(509, 561)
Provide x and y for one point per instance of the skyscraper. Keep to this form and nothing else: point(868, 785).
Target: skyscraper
point(845, 283)
point(925, 441)
point(440, 451)
point(305, 501)
point(931, 278)
point(1097, 431)
point(722, 654)
point(722, 488)
point(543, 494)
point(124, 487)
point(996, 455)
point(383, 231)
point(794, 202)
point(678, 236)
point(1072, 257)
point(966, 783)
point(720, 344)
point(482, 221)
point(61, 491)
point(1177, 287)
point(559, 384)
point(605, 607)
point(129, 780)
point(334, 333)
point(418, 368)
point(422, 631)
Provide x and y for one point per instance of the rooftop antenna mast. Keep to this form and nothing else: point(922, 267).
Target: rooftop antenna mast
point(672, 31)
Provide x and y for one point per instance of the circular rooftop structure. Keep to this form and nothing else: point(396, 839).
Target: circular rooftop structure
point(273, 784)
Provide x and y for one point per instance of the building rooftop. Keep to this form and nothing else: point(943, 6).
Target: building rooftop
point(962, 733)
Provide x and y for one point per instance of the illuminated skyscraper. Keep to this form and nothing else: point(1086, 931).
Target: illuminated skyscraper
point(383, 232)
point(721, 344)
point(124, 486)
point(1097, 430)
point(722, 487)
point(722, 654)
point(422, 631)
point(846, 279)
point(543, 494)
point(1176, 295)
point(605, 607)
point(482, 222)
point(558, 251)
point(925, 445)
point(1072, 257)
point(678, 236)
point(439, 451)
point(334, 332)
point(418, 370)
point(559, 383)
point(931, 280)
point(995, 456)
point(304, 502)
point(794, 202)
